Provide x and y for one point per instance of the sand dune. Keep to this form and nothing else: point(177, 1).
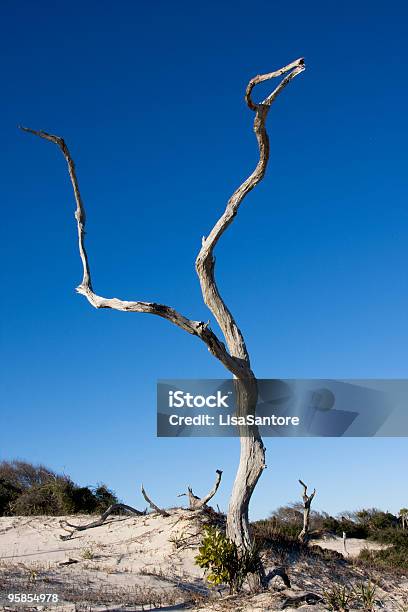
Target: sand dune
point(130, 563)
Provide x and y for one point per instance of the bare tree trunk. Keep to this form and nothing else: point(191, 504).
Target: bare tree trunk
point(307, 502)
point(251, 466)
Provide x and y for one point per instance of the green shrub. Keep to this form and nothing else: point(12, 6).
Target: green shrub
point(398, 537)
point(104, 498)
point(366, 593)
point(8, 493)
point(27, 490)
point(339, 597)
point(393, 558)
point(53, 498)
point(24, 475)
point(375, 520)
point(224, 563)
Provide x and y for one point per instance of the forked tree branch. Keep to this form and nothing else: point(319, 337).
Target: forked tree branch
point(196, 328)
point(195, 502)
point(307, 499)
point(205, 261)
point(237, 359)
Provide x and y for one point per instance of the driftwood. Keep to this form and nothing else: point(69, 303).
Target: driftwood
point(68, 562)
point(195, 503)
point(293, 601)
point(307, 502)
point(153, 505)
point(234, 356)
point(278, 571)
point(113, 508)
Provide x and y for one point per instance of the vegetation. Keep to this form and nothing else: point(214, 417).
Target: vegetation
point(27, 489)
point(339, 597)
point(279, 533)
point(223, 561)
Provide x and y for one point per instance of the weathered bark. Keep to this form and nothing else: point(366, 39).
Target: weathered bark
point(153, 505)
point(113, 508)
point(252, 455)
point(236, 358)
point(195, 503)
point(307, 502)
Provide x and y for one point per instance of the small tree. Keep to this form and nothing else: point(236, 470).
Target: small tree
point(234, 356)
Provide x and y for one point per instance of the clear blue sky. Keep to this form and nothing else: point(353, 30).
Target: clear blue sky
point(149, 96)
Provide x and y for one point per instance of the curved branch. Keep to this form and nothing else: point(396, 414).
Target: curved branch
point(200, 502)
point(64, 524)
point(205, 261)
point(153, 505)
point(204, 500)
point(196, 328)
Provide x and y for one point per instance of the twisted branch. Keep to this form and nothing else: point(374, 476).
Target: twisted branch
point(205, 261)
point(98, 523)
point(307, 502)
point(196, 328)
point(237, 360)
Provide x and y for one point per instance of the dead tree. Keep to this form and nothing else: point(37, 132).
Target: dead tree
point(307, 502)
point(100, 521)
point(196, 503)
point(234, 356)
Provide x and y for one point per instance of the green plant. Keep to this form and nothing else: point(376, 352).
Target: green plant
point(339, 597)
point(394, 558)
point(27, 490)
point(366, 592)
point(224, 562)
point(87, 553)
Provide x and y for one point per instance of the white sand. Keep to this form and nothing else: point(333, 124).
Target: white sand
point(138, 556)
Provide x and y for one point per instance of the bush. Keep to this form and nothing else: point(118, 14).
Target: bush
point(53, 498)
point(8, 493)
point(225, 563)
point(393, 558)
point(24, 475)
point(375, 520)
point(104, 498)
point(27, 490)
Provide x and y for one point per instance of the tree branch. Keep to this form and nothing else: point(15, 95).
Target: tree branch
point(307, 499)
point(153, 505)
point(204, 500)
point(196, 328)
point(199, 502)
point(205, 261)
point(113, 508)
